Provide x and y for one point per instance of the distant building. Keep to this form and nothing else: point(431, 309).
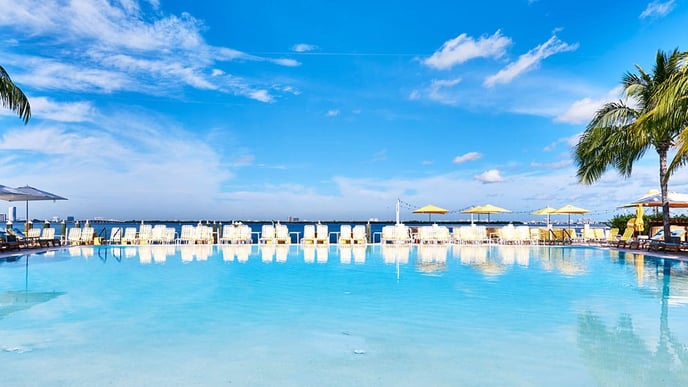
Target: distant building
point(11, 214)
point(3, 218)
point(70, 219)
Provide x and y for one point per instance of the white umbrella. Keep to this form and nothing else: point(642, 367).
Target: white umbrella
point(26, 194)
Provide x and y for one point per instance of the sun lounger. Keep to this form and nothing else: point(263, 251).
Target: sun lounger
point(243, 234)
point(47, 237)
point(625, 239)
point(282, 236)
point(8, 242)
point(321, 234)
point(387, 234)
point(145, 234)
point(612, 236)
point(308, 234)
point(129, 237)
point(188, 234)
point(345, 236)
point(675, 244)
point(74, 236)
point(229, 234)
point(441, 234)
point(267, 234)
point(116, 235)
point(359, 235)
point(33, 236)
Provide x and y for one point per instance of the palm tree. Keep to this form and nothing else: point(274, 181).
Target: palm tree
point(620, 132)
point(13, 98)
point(672, 106)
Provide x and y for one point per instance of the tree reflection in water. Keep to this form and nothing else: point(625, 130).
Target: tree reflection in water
point(618, 356)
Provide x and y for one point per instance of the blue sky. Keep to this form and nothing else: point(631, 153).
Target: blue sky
point(319, 110)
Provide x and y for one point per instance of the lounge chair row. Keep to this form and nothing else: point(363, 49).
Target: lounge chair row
point(677, 240)
point(478, 234)
point(12, 239)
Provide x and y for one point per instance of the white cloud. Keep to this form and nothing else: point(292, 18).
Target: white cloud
point(490, 176)
point(48, 109)
point(570, 142)
point(529, 61)
point(304, 47)
point(42, 107)
point(120, 167)
point(123, 48)
point(583, 110)
point(657, 9)
point(554, 165)
point(470, 156)
point(332, 113)
point(260, 95)
point(436, 90)
point(464, 48)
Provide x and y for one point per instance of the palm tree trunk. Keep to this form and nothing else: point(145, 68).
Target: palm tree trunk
point(665, 193)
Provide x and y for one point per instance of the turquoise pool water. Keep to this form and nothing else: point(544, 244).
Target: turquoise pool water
point(372, 316)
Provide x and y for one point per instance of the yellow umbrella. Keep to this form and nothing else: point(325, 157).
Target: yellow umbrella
point(430, 209)
point(545, 211)
point(639, 223)
point(486, 209)
point(569, 209)
point(473, 210)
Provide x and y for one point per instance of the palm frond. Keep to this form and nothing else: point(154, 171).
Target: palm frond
point(13, 98)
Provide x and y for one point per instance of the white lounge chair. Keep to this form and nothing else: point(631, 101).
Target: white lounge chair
point(244, 234)
point(74, 236)
point(441, 234)
point(203, 235)
point(282, 234)
point(345, 237)
point(321, 234)
point(425, 235)
point(387, 235)
point(229, 233)
point(87, 235)
point(187, 235)
point(308, 235)
point(47, 237)
point(129, 237)
point(145, 234)
point(267, 234)
point(158, 233)
point(358, 236)
point(402, 234)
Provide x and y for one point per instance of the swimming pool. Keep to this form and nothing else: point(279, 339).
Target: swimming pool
point(342, 316)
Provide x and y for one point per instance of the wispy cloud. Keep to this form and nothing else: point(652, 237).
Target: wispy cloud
point(489, 176)
point(437, 87)
point(464, 48)
point(125, 46)
point(48, 109)
point(124, 159)
point(584, 109)
point(470, 156)
point(570, 142)
point(332, 113)
point(530, 60)
point(554, 165)
point(657, 9)
point(304, 47)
